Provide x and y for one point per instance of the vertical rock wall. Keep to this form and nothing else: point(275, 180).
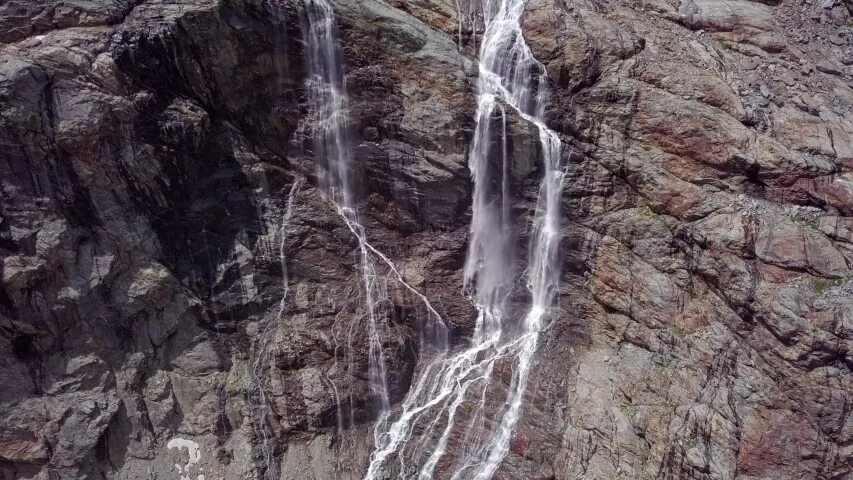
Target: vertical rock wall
point(149, 151)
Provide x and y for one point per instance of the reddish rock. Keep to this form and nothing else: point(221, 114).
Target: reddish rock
point(520, 443)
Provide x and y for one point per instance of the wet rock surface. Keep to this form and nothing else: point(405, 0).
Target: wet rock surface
point(164, 314)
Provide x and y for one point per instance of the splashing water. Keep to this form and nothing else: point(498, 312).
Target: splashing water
point(453, 379)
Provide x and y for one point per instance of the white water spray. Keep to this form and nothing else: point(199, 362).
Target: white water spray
point(505, 81)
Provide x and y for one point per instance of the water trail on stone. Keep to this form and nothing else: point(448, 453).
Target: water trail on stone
point(509, 77)
point(328, 104)
point(327, 97)
point(261, 344)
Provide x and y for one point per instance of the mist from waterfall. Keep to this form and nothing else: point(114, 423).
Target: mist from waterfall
point(418, 437)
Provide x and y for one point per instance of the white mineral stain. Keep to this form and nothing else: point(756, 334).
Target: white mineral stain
point(193, 453)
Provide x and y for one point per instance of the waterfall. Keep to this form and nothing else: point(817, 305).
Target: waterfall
point(328, 104)
point(447, 381)
point(420, 432)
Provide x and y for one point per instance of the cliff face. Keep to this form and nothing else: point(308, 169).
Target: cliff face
point(179, 300)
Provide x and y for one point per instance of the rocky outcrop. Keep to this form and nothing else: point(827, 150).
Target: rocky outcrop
point(178, 298)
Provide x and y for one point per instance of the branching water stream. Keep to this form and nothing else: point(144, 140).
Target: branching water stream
point(418, 434)
point(328, 102)
point(446, 382)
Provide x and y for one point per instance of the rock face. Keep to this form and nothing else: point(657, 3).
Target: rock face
point(178, 299)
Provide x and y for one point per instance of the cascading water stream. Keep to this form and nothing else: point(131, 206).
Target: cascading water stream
point(260, 346)
point(450, 379)
point(326, 91)
point(328, 103)
point(447, 381)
